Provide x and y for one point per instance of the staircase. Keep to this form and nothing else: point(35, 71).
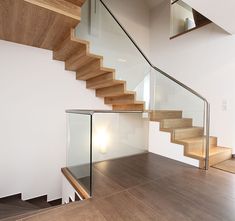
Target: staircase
point(14, 208)
point(75, 53)
point(50, 25)
point(192, 138)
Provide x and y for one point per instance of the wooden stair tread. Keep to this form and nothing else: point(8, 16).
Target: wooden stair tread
point(69, 47)
point(108, 83)
point(176, 123)
point(195, 139)
point(159, 115)
point(81, 59)
point(76, 2)
point(41, 202)
point(213, 151)
point(93, 70)
point(122, 99)
point(129, 107)
point(179, 129)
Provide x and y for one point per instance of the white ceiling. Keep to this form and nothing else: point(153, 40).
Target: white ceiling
point(153, 3)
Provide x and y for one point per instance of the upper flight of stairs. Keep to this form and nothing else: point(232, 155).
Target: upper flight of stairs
point(50, 24)
point(89, 67)
point(192, 138)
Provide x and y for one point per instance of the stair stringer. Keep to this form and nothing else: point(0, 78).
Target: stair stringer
point(160, 143)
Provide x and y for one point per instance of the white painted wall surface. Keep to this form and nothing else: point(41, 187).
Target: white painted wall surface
point(35, 91)
point(134, 16)
point(67, 191)
point(203, 59)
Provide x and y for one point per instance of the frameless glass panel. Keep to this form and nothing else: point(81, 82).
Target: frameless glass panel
point(168, 95)
point(79, 149)
point(108, 39)
point(118, 135)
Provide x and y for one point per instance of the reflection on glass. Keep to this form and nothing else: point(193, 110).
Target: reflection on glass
point(184, 18)
point(78, 154)
point(108, 39)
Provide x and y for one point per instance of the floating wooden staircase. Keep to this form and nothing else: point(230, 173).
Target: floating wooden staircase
point(192, 138)
point(50, 24)
point(89, 67)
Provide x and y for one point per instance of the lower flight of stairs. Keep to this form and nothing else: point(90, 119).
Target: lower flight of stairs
point(192, 138)
point(14, 208)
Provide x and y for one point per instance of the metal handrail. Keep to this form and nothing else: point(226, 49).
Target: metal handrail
point(207, 105)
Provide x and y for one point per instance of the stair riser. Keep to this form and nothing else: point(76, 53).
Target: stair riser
point(91, 71)
point(80, 60)
point(100, 81)
point(111, 91)
point(69, 47)
point(130, 107)
point(176, 123)
point(160, 115)
point(215, 159)
point(187, 133)
point(127, 99)
point(200, 145)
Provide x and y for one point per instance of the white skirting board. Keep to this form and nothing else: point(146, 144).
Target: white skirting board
point(160, 143)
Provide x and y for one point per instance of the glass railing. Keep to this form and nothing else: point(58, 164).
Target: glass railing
point(95, 136)
point(108, 39)
point(157, 89)
point(79, 149)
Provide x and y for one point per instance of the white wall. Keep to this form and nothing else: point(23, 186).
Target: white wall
point(35, 91)
point(134, 16)
point(203, 59)
point(68, 191)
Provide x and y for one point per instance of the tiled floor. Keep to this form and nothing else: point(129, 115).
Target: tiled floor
point(149, 187)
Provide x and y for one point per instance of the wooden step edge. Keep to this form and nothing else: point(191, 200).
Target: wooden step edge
point(105, 69)
point(166, 111)
point(105, 84)
point(158, 115)
point(187, 141)
point(120, 102)
point(212, 154)
point(120, 94)
point(95, 56)
point(59, 6)
point(129, 107)
point(77, 2)
point(95, 71)
point(81, 191)
point(70, 38)
point(173, 130)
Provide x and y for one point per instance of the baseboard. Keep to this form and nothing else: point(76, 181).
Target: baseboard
point(18, 196)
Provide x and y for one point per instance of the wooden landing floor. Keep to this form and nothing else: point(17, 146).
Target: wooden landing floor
point(150, 187)
point(228, 166)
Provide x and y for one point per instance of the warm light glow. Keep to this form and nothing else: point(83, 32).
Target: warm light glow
point(101, 140)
